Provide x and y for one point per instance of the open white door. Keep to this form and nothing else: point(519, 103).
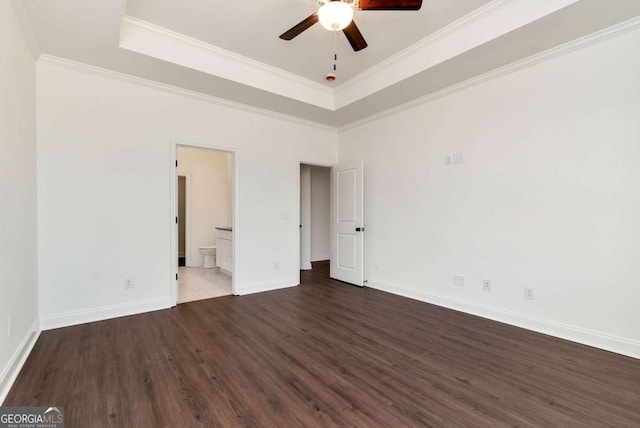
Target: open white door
point(347, 246)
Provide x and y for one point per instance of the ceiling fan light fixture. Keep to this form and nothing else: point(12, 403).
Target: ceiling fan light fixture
point(335, 15)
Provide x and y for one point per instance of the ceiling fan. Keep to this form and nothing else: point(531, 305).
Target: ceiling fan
point(336, 15)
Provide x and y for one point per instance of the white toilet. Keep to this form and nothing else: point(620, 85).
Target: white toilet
point(209, 254)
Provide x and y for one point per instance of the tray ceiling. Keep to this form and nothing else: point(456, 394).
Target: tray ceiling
point(231, 50)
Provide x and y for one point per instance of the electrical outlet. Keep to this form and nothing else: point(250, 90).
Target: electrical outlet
point(9, 326)
point(128, 283)
point(528, 293)
point(458, 280)
point(486, 285)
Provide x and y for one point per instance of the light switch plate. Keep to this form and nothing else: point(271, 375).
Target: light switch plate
point(458, 158)
point(458, 280)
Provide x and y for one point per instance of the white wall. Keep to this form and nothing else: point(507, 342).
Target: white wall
point(104, 175)
point(18, 252)
point(210, 196)
point(548, 196)
point(320, 213)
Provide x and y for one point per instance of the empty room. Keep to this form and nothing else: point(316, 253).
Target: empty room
point(424, 213)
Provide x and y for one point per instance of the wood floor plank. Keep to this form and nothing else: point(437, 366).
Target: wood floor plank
point(324, 354)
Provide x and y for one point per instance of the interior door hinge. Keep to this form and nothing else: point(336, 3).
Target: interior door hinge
point(176, 163)
point(176, 220)
point(176, 277)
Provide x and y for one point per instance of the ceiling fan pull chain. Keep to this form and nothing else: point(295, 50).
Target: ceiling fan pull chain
point(335, 50)
point(331, 76)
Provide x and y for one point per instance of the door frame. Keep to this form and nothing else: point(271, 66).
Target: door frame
point(173, 203)
point(324, 165)
point(187, 219)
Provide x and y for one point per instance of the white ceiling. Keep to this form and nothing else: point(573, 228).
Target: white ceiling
point(231, 50)
point(251, 28)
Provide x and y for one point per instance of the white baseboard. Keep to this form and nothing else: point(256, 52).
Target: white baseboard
point(267, 286)
point(583, 336)
point(306, 266)
point(321, 259)
point(48, 322)
point(12, 369)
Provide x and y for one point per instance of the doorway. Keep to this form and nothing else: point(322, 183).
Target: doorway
point(315, 218)
point(203, 204)
point(182, 220)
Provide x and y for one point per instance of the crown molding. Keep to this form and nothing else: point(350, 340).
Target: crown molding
point(419, 44)
point(600, 36)
point(549, 54)
point(486, 23)
point(158, 42)
point(480, 26)
point(102, 72)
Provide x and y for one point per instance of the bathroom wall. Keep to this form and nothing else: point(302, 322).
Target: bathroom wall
point(18, 242)
point(320, 213)
point(210, 191)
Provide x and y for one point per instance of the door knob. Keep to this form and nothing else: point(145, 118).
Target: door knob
point(359, 229)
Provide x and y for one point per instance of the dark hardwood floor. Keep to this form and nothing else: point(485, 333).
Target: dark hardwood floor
point(323, 354)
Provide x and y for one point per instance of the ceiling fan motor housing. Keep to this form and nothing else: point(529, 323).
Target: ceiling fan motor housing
point(335, 15)
point(350, 29)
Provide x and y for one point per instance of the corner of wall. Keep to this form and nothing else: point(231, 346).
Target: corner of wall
point(10, 372)
point(266, 286)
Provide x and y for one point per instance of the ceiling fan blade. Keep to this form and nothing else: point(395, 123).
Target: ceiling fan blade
point(355, 37)
point(390, 4)
point(299, 27)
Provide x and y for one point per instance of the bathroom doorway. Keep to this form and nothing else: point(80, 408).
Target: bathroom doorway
point(315, 218)
point(203, 201)
point(182, 220)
